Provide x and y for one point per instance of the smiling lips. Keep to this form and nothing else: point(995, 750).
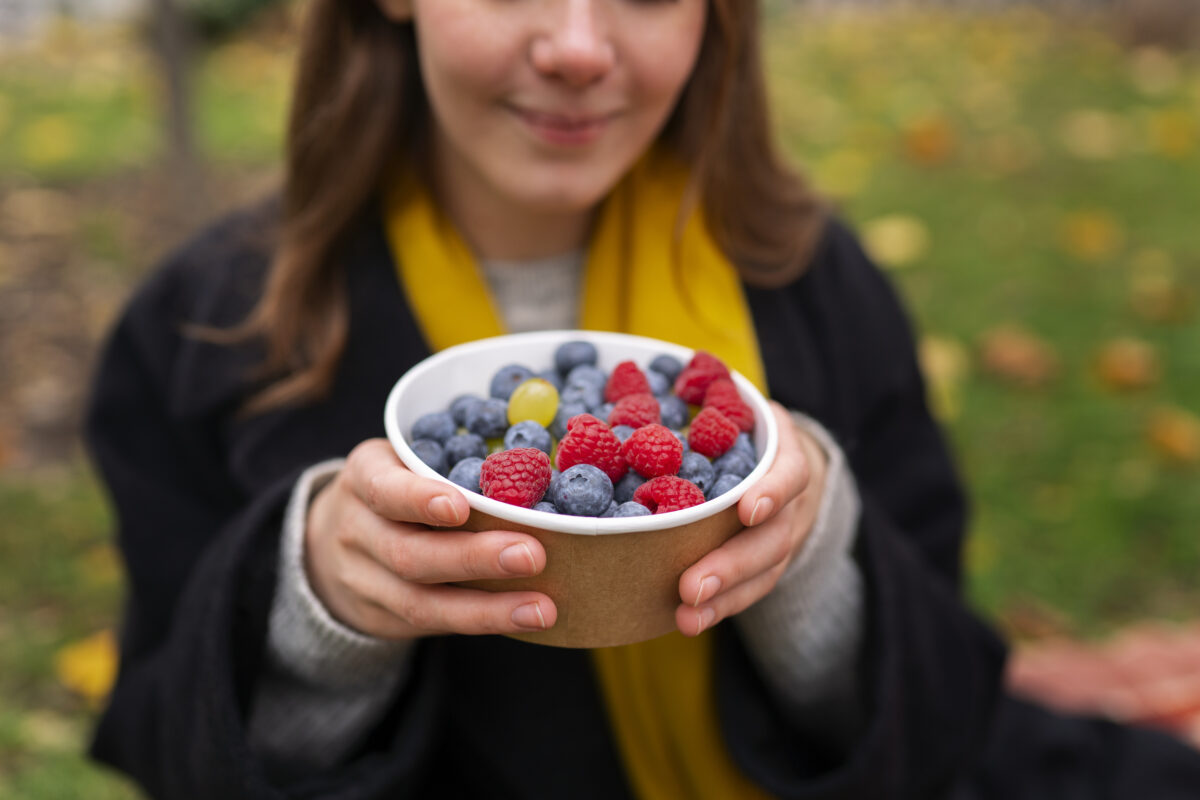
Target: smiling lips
point(564, 129)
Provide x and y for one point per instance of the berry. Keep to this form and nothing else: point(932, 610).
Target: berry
point(587, 374)
point(667, 366)
point(723, 484)
point(622, 432)
point(626, 379)
point(438, 426)
point(489, 419)
point(623, 491)
point(745, 444)
point(697, 376)
point(723, 396)
point(590, 441)
point(603, 411)
point(566, 412)
point(508, 378)
point(674, 411)
point(535, 399)
point(697, 469)
point(635, 410)
point(551, 377)
point(660, 386)
point(573, 354)
point(547, 507)
point(461, 406)
point(466, 473)
point(583, 491)
point(631, 509)
point(735, 462)
point(465, 445)
point(711, 434)
point(431, 453)
point(518, 477)
point(668, 493)
point(611, 510)
point(653, 451)
point(527, 434)
point(584, 394)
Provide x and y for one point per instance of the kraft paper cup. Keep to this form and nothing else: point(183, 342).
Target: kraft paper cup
point(614, 581)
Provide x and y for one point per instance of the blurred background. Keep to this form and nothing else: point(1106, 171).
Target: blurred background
point(1028, 174)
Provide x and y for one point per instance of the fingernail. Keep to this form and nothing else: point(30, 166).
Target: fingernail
point(442, 509)
point(518, 559)
point(762, 510)
point(707, 616)
point(708, 589)
point(529, 616)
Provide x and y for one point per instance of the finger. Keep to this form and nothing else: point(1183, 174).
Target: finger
point(438, 556)
point(694, 620)
point(787, 478)
point(742, 557)
point(381, 481)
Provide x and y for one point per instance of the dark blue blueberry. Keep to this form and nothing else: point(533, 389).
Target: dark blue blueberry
point(745, 445)
point(603, 411)
point(697, 469)
point(431, 453)
point(507, 378)
point(583, 394)
point(611, 510)
point(623, 432)
point(583, 491)
point(623, 491)
point(687, 448)
point(588, 375)
point(555, 477)
point(552, 377)
point(462, 405)
point(546, 506)
point(570, 355)
point(631, 509)
point(659, 385)
point(489, 419)
point(670, 366)
point(673, 410)
point(734, 462)
point(565, 411)
point(528, 434)
point(466, 473)
point(465, 445)
point(438, 426)
point(723, 484)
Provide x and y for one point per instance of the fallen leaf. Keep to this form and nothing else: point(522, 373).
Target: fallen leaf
point(1154, 71)
point(842, 173)
point(50, 140)
point(48, 732)
point(1015, 355)
point(1010, 151)
point(944, 362)
point(896, 240)
point(1091, 134)
point(930, 140)
point(1091, 235)
point(1156, 292)
point(1173, 133)
point(1174, 433)
point(1127, 364)
point(88, 667)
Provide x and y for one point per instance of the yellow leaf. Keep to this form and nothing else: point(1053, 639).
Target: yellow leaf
point(1156, 292)
point(1173, 133)
point(842, 173)
point(1091, 235)
point(46, 731)
point(1091, 134)
point(896, 240)
point(1127, 364)
point(88, 667)
point(944, 362)
point(1174, 433)
point(1154, 71)
point(49, 140)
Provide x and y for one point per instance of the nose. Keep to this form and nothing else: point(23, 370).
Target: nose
point(575, 46)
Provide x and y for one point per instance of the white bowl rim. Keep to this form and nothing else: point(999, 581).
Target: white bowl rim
point(565, 523)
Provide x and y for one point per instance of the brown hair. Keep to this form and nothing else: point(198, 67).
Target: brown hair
point(358, 102)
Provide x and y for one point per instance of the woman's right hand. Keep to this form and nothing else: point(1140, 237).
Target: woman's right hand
point(381, 551)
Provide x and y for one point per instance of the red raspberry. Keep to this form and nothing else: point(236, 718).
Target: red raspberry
point(518, 476)
point(723, 396)
point(590, 441)
point(668, 493)
point(711, 433)
point(625, 379)
point(698, 375)
point(653, 451)
point(635, 410)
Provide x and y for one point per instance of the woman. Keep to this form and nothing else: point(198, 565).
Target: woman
point(462, 167)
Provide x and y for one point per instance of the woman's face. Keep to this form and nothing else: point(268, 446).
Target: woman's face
point(547, 103)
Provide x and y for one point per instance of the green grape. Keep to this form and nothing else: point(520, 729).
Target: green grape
point(535, 399)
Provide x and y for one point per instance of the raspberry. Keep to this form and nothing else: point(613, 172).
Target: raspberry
point(698, 375)
point(590, 441)
point(668, 493)
point(723, 396)
point(711, 433)
point(626, 379)
point(518, 477)
point(653, 451)
point(635, 410)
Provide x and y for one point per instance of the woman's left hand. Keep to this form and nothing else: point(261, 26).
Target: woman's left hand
point(778, 513)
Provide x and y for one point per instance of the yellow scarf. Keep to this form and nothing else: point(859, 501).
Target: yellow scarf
point(659, 694)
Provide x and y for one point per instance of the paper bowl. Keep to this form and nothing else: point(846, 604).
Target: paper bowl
point(614, 581)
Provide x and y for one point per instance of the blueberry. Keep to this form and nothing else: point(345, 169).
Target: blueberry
point(546, 506)
point(588, 375)
point(623, 491)
point(528, 434)
point(734, 462)
point(507, 378)
point(697, 469)
point(563, 416)
point(742, 443)
point(489, 419)
point(461, 406)
point(673, 410)
point(573, 354)
point(583, 491)
point(584, 394)
point(659, 385)
point(670, 366)
point(604, 411)
point(431, 453)
point(623, 432)
point(687, 448)
point(438, 426)
point(723, 484)
point(466, 473)
point(611, 510)
point(552, 377)
point(631, 509)
point(465, 445)
point(552, 489)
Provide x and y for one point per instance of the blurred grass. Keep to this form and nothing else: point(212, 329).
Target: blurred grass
point(1012, 170)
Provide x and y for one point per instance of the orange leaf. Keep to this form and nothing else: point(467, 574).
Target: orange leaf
point(1013, 354)
point(1126, 364)
point(930, 140)
point(1175, 435)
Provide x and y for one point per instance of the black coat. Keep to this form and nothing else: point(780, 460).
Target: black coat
point(199, 492)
